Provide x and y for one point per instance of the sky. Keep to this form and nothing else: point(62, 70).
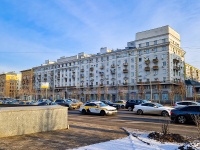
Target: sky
point(38, 30)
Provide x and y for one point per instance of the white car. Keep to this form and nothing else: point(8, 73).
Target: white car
point(185, 103)
point(97, 108)
point(152, 108)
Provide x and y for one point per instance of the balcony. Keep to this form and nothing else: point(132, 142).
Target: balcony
point(82, 70)
point(147, 62)
point(155, 67)
point(125, 64)
point(112, 66)
point(81, 86)
point(125, 78)
point(125, 83)
point(101, 85)
point(147, 68)
point(175, 60)
point(91, 68)
point(91, 74)
point(112, 71)
point(125, 70)
point(73, 76)
point(176, 68)
point(91, 85)
point(155, 60)
point(101, 67)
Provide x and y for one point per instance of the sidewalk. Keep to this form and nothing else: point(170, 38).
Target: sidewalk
point(77, 135)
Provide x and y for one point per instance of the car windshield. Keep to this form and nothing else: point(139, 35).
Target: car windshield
point(158, 105)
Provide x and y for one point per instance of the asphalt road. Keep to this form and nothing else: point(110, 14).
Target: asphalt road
point(128, 119)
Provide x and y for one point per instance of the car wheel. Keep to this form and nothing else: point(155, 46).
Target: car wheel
point(139, 112)
point(83, 111)
point(102, 113)
point(164, 113)
point(122, 107)
point(181, 119)
point(130, 109)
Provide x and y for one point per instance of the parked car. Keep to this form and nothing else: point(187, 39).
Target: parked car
point(67, 103)
point(77, 102)
point(184, 114)
point(117, 106)
point(152, 108)
point(122, 103)
point(131, 103)
point(97, 108)
point(185, 103)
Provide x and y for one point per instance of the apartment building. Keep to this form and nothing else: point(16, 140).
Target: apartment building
point(27, 92)
point(10, 83)
point(148, 68)
point(192, 73)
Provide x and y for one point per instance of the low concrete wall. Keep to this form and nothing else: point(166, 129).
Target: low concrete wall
point(26, 120)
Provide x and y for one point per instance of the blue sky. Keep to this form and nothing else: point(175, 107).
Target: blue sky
point(37, 30)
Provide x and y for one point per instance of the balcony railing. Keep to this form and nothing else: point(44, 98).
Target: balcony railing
point(125, 64)
point(155, 67)
point(112, 66)
point(176, 68)
point(155, 60)
point(125, 70)
point(91, 69)
point(91, 74)
point(147, 62)
point(147, 68)
point(175, 60)
point(101, 67)
point(101, 85)
point(82, 70)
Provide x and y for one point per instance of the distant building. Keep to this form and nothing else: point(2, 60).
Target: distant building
point(27, 92)
point(192, 73)
point(10, 84)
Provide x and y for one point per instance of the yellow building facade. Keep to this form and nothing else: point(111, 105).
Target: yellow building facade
point(9, 84)
point(192, 72)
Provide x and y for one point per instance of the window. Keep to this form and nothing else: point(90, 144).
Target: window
point(164, 48)
point(155, 49)
point(155, 42)
point(164, 71)
point(119, 62)
point(164, 63)
point(140, 66)
point(132, 67)
point(147, 43)
point(140, 45)
point(147, 51)
point(163, 56)
point(163, 40)
point(132, 74)
point(119, 74)
point(132, 80)
point(132, 60)
point(140, 59)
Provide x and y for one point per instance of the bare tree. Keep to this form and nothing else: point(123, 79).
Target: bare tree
point(98, 93)
point(159, 89)
point(194, 93)
point(196, 119)
point(88, 93)
point(182, 90)
point(171, 94)
point(105, 93)
point(141, 91)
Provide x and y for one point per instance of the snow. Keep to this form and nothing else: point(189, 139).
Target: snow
point(136, 140)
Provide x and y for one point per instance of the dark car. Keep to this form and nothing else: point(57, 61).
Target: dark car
point(62, 102)
point(131, 103)
point(184, 114)
point(111, 103)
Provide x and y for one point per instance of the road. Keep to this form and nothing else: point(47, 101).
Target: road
point(128, 119)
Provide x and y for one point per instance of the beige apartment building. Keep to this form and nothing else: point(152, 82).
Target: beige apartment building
point(150, 67)
point(10, 85)
point(192, 72)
